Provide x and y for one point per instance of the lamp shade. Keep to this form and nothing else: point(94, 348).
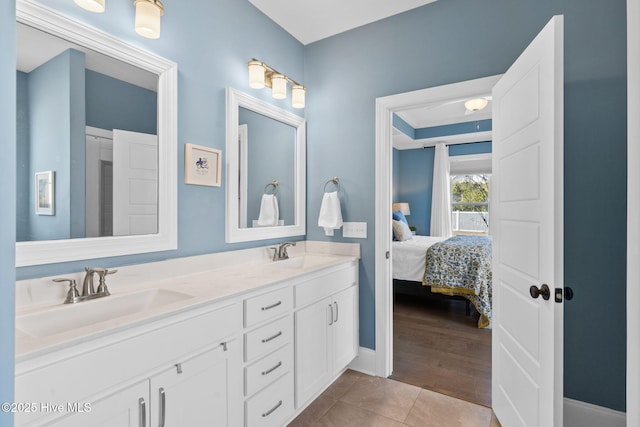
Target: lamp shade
point(148, 13)
point(297, 96)
point(91, 5)
point(256, 74)
point(476, 104)
point(402, 207)
point(278, 86)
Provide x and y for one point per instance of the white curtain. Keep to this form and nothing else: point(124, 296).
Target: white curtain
point(441, 195)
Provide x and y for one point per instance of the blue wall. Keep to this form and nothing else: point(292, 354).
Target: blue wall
point(24, 183)
point(8, 205)
point(413, 182)
point(271, 156)
point(116, 104)
point(446, 47)
point(205, 69)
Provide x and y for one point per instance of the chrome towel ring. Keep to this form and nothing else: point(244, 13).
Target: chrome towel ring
point(273, 184)
point(333, 180)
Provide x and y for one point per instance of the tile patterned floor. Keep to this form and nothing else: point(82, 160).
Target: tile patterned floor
point(359, 400)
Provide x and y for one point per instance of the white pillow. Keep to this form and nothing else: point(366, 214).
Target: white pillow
point(401, 231)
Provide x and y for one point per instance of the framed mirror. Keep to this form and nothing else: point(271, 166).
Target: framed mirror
point(265, 170)
point(86, 144)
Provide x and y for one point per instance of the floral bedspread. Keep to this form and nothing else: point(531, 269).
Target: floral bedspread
point(461, 266)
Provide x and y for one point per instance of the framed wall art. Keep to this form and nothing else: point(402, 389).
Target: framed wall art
point(45, 193)
point(202, 165)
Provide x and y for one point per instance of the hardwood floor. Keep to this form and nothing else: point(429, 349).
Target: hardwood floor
point(439, 348)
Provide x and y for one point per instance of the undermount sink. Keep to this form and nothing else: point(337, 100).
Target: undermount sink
point(72, 316)
point(300, 262)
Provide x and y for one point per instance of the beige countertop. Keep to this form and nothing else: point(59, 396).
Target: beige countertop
point(223, 281)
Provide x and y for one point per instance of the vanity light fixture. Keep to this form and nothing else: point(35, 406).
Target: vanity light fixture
point(476, 104)
point(91, 5)
point(261, 75)
point(148, 13)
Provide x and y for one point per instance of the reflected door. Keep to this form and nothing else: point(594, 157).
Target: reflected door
point(135, 183)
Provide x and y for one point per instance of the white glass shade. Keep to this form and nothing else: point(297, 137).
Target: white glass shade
point(256, 74)
point(476, 104)
point(297, 96)
point(91, 5)
point(278, 86)
point(148, 19)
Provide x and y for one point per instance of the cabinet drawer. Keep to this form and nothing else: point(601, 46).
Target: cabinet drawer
point(268, 338)
point(272, 406)
point(323, 286)
point(268, 369)
point(267, 306)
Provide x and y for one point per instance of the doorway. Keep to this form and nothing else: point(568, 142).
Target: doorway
point(440, 348)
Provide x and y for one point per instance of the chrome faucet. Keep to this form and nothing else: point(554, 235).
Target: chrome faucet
point(280, 253)
point(88, 290)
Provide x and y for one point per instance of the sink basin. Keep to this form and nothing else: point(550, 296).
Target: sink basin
point(68, 317)
point(298, 263)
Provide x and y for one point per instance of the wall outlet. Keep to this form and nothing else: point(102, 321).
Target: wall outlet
point(354, 229)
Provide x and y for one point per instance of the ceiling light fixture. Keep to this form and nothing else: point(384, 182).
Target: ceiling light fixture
point(476, 104)
point(261, 75)
point(96, 6)
point(148, 13)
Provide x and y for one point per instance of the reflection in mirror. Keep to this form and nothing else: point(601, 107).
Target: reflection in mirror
point(92, 120)
point(267, 170)
point(111, 104)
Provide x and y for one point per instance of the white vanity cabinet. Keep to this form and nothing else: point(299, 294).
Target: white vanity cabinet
point(268, 357)
point(185, 368)
point(326, 329)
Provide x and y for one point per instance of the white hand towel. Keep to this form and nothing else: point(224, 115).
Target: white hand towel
point(269, 213)
point(330, 217)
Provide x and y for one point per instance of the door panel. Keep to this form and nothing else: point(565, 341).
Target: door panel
point(527, 219)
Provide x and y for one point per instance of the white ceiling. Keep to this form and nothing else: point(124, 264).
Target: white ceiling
point(312, 20)
point(35, 47)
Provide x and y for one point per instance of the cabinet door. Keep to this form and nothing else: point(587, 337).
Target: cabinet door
point(312, 349)
point(127, 408)
point(345, 329)
point(204, 390)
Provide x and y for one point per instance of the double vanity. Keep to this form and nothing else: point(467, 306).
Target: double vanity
point(228, 339)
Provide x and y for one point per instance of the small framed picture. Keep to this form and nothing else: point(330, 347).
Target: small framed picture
point(202, 165)
point(45, 193)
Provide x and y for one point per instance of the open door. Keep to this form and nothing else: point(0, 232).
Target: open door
point(527, 227)
point(135, 183)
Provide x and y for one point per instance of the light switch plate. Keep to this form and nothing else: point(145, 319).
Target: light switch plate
point(357, 230)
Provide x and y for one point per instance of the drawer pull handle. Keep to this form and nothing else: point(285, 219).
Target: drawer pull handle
point(268, 371)
point(336, 304)
point(163, 406)
point(269, 307)
point(266, 340)
point(331, 317)
point(270, 411)
point(142, 407)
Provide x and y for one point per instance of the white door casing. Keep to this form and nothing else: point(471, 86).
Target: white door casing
point(527, 226)
point(135, 183)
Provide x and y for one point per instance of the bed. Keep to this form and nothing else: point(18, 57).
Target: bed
point(458, 266)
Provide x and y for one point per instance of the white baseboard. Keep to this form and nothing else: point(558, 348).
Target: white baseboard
point(582, 414)
point(365, 362)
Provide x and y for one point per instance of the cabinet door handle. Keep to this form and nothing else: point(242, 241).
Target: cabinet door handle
point(266, 340)
point(269, 307)
point(163, 406)
point(268, 371)
point(270, 411)
point(142, 409)
point(336, 304)
point(331, 317)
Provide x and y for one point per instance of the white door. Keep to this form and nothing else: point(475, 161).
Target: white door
point(135, 183)
point(345, 328)
point(527, 222)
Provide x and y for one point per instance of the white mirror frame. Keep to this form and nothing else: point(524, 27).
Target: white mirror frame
point(235, 100)
point(53, 251)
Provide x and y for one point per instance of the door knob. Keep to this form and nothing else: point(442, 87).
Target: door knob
point(544, 291)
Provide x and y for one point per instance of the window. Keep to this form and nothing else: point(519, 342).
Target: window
point(470, 204)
